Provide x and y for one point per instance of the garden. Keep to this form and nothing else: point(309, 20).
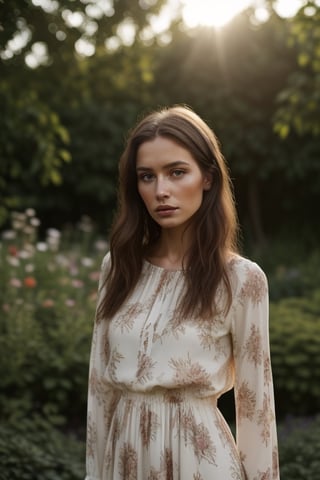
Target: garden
point(71, 85)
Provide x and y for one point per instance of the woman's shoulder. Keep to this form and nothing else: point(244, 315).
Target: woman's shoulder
point(106, 260)
point(244, 269)
point(105, 267)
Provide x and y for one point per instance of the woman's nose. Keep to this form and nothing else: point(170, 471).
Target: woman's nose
point(162, 190)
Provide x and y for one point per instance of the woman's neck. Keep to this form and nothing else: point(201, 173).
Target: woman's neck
point(171, 249)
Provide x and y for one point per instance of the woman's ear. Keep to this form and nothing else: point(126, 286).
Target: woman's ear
point(207, 181)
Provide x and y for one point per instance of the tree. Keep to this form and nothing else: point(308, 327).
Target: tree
point(56, 24)
point(46, 110)
point(33, 147)
point(299, 101)
point(232, 78)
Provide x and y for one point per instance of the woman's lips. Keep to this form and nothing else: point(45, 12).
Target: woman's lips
point(165, 210)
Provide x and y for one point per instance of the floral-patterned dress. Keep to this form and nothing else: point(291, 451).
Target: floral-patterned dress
point(155, 381)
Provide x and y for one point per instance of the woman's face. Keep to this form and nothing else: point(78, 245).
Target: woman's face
point(170, 182)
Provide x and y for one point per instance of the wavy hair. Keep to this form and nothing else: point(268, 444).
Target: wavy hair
point(214, 224)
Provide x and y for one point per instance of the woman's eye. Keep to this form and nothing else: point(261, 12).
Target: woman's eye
point(178, 173)
point(146, 177)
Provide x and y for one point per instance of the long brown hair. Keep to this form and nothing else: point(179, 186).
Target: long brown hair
point(214, 224)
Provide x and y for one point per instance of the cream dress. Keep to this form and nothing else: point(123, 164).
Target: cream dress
point(154, 385)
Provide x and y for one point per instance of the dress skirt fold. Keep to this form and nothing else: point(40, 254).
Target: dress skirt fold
point(169, 434)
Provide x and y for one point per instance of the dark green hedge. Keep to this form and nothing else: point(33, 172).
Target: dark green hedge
point(295, 347)
point(34, 450)
point(299, 449)
point(44, 364)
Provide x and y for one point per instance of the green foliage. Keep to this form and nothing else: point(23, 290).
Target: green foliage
point(94, 193)
point(33, 146)
point(296, 276)
point(295, 346)
point(52, 24)
point(32, 449)
point(299, 442)
point(299, 101)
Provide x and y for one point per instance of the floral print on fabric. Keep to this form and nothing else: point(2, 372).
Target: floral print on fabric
point(155, 381)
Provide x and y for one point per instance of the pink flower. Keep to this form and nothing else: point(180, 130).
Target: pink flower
point(48, 303)
point(94, 276)
point(15, 282)
point(77, 283)
point(70, 302)
point(93, 296)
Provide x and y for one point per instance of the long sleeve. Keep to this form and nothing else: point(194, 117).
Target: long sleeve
point(100, 396)
point(254, 397)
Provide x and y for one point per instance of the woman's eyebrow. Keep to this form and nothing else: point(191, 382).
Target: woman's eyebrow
point(168, 165)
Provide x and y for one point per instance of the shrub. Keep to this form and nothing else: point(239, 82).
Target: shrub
point(299, 442)
point(47, 302)
point(291, 273)
point(295, 347)
point(34, 450)
point(297, 280)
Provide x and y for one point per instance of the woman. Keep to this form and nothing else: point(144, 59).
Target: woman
point(181, 319)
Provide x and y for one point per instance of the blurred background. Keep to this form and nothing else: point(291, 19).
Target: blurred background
point(75, 76)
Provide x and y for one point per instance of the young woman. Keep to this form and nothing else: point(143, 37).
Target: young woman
point(181, 319)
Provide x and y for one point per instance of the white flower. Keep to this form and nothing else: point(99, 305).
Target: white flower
point(29, 268)
point(17, 225)
point(35, 222)
point(18, 220)
point(53, 233)
point(42, 246)
point(30, 212)
point(101, 245)
point(9, 235)
point(13, 261)
point(24, 254)
point(53, 239)
point(62, 260)
point(87, 262)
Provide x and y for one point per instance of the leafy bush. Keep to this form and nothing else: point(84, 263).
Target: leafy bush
point(291, 272)
point(295, 347)
point(34, 450)
point(47, 301)
point(296, 280)
point(299, 443)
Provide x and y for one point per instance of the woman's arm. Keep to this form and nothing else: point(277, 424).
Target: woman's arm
point(100, 394)
point(254, 397)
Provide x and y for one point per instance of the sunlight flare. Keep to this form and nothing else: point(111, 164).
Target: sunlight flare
point(217, 13)
point(211, 12)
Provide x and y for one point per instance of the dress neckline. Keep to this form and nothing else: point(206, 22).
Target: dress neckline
point(162, 269)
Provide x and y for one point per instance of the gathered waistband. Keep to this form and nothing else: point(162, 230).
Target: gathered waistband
point(168, 395)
